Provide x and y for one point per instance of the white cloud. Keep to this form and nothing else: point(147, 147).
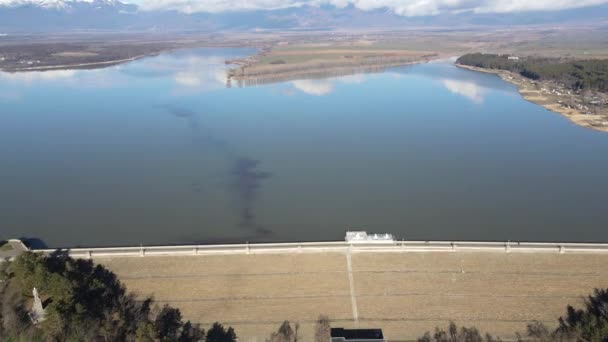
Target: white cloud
point(504, 6)
point(467, 89)
point(215, 6)
point(400, 7)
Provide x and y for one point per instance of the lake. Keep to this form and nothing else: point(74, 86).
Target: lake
point(161, 151)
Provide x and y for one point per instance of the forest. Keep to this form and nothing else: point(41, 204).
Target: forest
point(576, 75)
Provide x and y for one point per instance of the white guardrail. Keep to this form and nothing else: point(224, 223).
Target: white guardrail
point(337, 246)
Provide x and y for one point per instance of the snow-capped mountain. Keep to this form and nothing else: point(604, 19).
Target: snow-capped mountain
point(62, 15)
point(60, 4)
point(65, 15)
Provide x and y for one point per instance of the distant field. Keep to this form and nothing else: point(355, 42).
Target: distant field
point(288, 57)
point(301, 47)
point(330, 52)
point(406, 294)
point(75, 54)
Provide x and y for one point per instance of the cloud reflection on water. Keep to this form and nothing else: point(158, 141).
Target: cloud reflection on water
point(96, 78)
point(325, 86)
point(36, 76)
point(468, 89)
point(187, 72)
point(314, 87)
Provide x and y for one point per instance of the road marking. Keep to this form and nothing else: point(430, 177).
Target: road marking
point(351, 283)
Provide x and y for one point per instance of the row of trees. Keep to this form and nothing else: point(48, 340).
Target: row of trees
point(574, 74)
point(588, 324)
point(287, 333)
point(86, 302)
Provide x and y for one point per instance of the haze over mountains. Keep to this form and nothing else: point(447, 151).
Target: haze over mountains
point(111, 15)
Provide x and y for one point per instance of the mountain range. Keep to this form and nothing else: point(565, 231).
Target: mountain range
point(26, 16)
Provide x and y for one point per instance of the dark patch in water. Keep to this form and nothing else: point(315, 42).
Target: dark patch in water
point(247, 181)
point(197, 187)
point(254, 236)
point(182, 113)
point(203, 135)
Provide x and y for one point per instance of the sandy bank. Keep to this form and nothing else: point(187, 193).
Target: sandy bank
point(539, 92)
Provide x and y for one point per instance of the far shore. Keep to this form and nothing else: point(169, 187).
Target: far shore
point(79, 65)
point(531, 91)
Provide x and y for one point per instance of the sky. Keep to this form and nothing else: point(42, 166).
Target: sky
point(407, 8)
point(410, 8)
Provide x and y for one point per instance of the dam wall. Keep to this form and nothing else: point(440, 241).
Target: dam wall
point(337, 247)
point(402, 287)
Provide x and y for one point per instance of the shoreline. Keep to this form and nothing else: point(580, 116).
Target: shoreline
point(80, 65)
point(528, 89)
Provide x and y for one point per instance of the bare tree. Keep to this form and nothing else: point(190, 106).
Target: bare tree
point(538, 332)
point(453, 334)
point(285, 333)
point(322, 329)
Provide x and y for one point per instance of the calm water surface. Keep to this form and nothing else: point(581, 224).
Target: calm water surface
point(160, 151)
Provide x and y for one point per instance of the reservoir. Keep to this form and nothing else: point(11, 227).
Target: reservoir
point(162, 151)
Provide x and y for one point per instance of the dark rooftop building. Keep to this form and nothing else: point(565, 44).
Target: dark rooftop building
point(356, 335)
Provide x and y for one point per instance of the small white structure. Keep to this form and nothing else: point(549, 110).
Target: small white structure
point(513, 58)
point(37, 313)
point(363, 237)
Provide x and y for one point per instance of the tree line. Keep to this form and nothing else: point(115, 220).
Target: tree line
point(87, 302)
point(587, 324)
point(574, 74)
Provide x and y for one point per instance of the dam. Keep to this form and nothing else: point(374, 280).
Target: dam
point(404, 287)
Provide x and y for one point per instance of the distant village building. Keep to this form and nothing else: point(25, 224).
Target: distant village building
point(513, 58)
point(356, 335)
point(37, 314)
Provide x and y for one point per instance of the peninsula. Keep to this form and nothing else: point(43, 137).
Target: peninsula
point(285, 61)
